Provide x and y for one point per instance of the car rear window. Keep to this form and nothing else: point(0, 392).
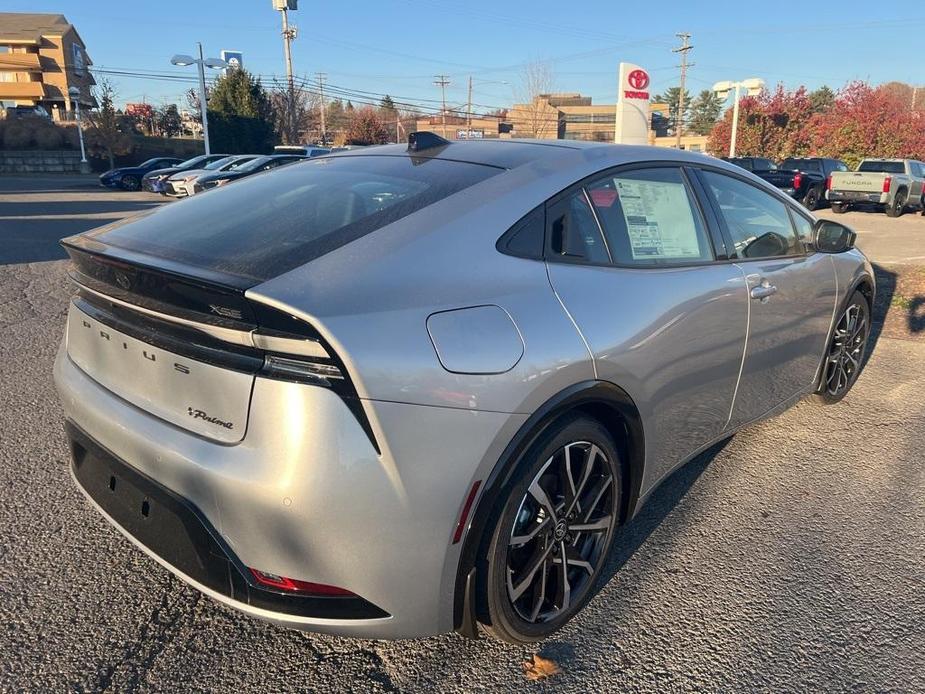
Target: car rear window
point(270, 223)
point(802, 165)
point(892, 167)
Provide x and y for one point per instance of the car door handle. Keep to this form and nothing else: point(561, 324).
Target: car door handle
point(763, 291)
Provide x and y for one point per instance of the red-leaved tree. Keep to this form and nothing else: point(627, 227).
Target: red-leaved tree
point(863, 121)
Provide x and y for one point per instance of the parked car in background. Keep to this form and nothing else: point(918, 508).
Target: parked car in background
point(803, 178)
point(305, 150)
point(752, 163)
point(129, 177)
point(264, 163)
point(389, 393)
point(181, 184)
point(153, 181)
point(893, 185)
point(27, 112)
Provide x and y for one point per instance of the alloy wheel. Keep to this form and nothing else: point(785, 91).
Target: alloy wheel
point(846, 352)
point(560, 532)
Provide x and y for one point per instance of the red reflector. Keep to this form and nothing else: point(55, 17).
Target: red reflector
point(293, 585)
point(887, 182)
point(603, 197)
point(797, 180)
point(464, 514)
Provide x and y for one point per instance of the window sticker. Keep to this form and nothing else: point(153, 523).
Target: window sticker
point(659, 220)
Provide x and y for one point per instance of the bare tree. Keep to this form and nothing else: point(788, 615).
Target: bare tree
point(107, 132)
point(294, 112)
point(535, 114)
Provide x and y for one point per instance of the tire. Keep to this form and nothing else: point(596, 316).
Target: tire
point(898, 206)
point(131, 183)
point(844, 356)
point(839, 207)
point(522, 591)
point(812, 199)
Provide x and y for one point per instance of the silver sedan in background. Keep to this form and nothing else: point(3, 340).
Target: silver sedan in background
point(399, 391)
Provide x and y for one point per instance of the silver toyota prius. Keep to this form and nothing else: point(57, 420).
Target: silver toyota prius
point(409, 389)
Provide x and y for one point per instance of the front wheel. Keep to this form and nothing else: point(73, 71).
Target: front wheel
point(845, 354)
point(553, 533)
point(131, 183)
point(839, 207)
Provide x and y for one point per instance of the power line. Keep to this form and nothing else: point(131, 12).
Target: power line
point(442, 81)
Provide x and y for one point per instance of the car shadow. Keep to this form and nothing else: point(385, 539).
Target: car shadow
point(886, 289)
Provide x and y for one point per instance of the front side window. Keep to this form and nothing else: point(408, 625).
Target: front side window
point(649, 218)
point(758, 223)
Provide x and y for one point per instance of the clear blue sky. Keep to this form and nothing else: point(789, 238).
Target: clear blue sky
point(397, 46)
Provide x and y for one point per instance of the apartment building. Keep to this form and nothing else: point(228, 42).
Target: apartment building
point(41, 57)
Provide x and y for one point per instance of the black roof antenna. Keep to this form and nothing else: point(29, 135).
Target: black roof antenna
point(424, 139)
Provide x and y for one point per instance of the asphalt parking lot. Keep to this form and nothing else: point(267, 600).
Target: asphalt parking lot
point(790, 559)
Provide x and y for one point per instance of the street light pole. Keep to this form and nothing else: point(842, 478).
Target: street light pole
point(74, 93)
point(735, 121)
point(203, 107)
point(201, 63)
point(752, 86)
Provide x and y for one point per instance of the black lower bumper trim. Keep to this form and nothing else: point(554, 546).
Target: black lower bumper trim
point(176, 531)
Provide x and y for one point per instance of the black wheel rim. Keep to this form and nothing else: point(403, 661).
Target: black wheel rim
point(846, 353)
point(560, 532)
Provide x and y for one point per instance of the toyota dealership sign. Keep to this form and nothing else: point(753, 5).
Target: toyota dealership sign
point(632, 117)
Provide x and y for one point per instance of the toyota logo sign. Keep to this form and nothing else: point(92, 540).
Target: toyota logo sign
point(638, 79)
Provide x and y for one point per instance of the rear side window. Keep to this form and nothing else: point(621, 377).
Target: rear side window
point(525, 239)
point(650, 218)
point(758, 223)
point(891, 167)
point(573, 231)
point(266, 225)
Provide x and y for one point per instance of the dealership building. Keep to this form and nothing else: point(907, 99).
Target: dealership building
point(41, 57)
point(559, 116)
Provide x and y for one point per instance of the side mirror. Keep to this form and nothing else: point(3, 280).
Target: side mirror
point(832, 237)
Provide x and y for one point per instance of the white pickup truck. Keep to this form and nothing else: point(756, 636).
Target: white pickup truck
point(894, 185)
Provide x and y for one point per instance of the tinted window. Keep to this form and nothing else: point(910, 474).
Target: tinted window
point(525, 239)
point(650, 218)
point(893, 167)
point(573, 231)
point(758, 223)
point(263, 226)
point(802, 165)
point(763, 165)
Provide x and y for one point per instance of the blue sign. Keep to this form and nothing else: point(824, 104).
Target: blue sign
point(235, 59)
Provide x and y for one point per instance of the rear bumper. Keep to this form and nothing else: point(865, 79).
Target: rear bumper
point(303, 495)
point(174, 532)
point(855, 196)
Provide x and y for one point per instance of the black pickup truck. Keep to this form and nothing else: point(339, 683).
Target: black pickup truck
point(803, 179)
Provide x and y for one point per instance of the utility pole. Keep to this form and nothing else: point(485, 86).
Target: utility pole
point(289, 34)
point(469, 111)
point(682, 49)
point(324, 131)
point(443, 82)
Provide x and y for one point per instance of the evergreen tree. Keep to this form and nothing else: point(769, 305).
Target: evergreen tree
point(822, 99)
point(706, 110)
point(240, 114)
point(672, 97)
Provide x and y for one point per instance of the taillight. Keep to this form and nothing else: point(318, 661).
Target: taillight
point(293, 585)
point(887, 182)
point(797, 180)
point(828, 182)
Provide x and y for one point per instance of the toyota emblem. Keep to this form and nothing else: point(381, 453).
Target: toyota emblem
point(638, 79)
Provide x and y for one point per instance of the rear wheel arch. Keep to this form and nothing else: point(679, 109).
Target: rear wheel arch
point(603, 401)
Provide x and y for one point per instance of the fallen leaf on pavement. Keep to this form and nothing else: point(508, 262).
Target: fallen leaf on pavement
point(540, 668)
